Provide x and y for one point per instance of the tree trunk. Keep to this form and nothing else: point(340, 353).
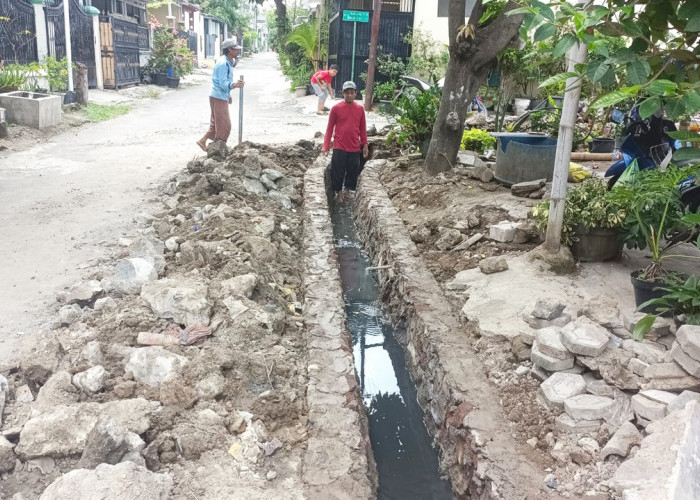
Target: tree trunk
point(473, 52)
point(282, 23)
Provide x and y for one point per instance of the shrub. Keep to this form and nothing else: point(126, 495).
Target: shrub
point(385, 91)
point(477, 140)
point(415, 116)
point(170, 52)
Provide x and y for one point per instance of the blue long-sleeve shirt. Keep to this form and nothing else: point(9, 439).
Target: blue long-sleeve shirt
point(222, 79)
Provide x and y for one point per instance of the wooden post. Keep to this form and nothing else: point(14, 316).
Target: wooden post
point(69, 52)
point(81, 84)
point(577, 55)
point(372, 65)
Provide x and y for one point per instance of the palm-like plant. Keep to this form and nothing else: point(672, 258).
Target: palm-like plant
point(306, 36)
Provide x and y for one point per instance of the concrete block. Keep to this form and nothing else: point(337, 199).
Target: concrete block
point(622, 441)
point(600, 388)
point(32, 109)
point(689, 338)
point(564, 423)
point(504, 231)
point(649, 352)
point(676, 384)
point(588, 407)
point(562, 386)
point(549, 343)
point(664, 370)
point(666, 465)
point(687, 363)
point(576, 370)
point(550, 363)
point(586, 339)
point(648, 409)
point(683, 399)
point(538, 323)
point(548, 309)
point(539, 373)
point(663, 397)
point(637, 366)
point(660, 327)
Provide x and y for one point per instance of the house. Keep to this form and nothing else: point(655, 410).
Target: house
point(431, 17)
point(215, 32)
point(182, 16)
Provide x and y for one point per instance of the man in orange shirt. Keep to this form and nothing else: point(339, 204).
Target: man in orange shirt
point(321, 83)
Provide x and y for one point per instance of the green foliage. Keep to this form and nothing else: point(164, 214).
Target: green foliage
point(13, 75)
point(547, 121)
point(230, 11)
point(170, 52)
point(656, 213)
point(100, 113)
point(429, 57)
point(680, 299)
point(390, 67)
point(57, 74)
point(477, 140)
point(306, 37)
point(415, 116)
point(299, 75)
point(589, 205)
point(249, 37)
point(385, 91)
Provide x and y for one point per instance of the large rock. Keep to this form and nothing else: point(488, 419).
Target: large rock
point(183, 301)
point(449, 237)
point(622, 441)
point(58, 390)
point(131, 274)
point(91, 380)
point(612, 366)
point(494, 264)
point(666, 465)
point(688, 337)
point(64, 430)
point(84, 293)
point(107, 443)
point(106, 482)
point(154, 365)
point(683, 399)
point(254, 186)
point(242, 285)
point(588, 407)
point(585, 339)
point(562, 386)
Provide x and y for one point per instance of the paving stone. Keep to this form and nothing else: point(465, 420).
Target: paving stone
point(689, 338)
point(549, 343)
point(528, 336)
point(549, 363)
point(683, 398)
point(687, 363)
point(676, 384)
point(637, 366)
point(665, 467)
point(600, 388)
point(576, 370)
point(649, 352)
point(539, 373)
point(660, 327)
point(548, 309)
point(603, 311)
point(564, 423)
point(586, 339)
point(504, 231)
point(663, 397)
point(664, 370)
point(538, 323)
point(588, 406)
point(611, 365)
point(648, 409)
point(562, 386)
point(622, 441)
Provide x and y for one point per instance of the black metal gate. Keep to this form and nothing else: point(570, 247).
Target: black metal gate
point(17, 32)
point(126, 52)
point(56, 30)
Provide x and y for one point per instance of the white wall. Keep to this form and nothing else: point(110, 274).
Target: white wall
point(425, 18)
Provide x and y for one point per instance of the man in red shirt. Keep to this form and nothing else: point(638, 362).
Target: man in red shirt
point(321, 83)
point(348, 120)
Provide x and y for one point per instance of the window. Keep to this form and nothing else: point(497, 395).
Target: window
point(443, 8)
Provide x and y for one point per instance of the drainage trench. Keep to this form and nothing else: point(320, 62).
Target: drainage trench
point(406, 461)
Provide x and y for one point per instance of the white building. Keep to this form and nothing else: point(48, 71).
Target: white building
point(431, 17)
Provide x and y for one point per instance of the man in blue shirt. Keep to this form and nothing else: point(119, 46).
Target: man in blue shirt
point(220, 97)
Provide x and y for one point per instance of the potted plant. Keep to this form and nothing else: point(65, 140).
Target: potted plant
point(592, 221)
point(170, 58)
point(681, 299)
point(656, 220)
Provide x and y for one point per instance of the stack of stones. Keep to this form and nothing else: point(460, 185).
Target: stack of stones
point(585, 365)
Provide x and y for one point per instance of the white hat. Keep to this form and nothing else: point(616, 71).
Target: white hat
point(349, 85)
point(230, 44)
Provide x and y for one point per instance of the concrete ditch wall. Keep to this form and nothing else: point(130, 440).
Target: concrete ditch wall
point(338, 463)
point(461, 405)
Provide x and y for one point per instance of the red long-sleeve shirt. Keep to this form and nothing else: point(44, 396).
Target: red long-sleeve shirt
point(350, 127)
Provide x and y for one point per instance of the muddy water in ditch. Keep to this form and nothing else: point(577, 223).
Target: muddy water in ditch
point(406, 461)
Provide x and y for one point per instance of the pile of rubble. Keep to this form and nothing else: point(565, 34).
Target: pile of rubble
point(181, 370)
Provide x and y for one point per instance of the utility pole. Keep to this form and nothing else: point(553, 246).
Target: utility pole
point(320, 30)
point(372, 65)
point(69, 53)
point(577, 55)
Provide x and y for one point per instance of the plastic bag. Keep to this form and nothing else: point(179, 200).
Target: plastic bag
point(577, 173)
point(628, 174)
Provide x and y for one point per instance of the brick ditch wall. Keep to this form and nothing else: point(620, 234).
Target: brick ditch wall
point(338, 463)
point(461, 406)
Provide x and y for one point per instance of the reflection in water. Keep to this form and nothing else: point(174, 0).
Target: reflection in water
point(406, 460)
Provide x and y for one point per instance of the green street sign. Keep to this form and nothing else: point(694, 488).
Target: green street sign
point(357, 16)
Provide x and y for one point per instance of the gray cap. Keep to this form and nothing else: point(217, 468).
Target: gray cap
point(230, 44)
point(349, 85)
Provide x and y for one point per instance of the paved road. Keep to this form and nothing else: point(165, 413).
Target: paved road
point(66, 202)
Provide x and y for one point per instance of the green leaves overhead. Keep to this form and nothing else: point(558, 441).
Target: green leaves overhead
point(638, 71)
point(564, 44)
point(544, 32)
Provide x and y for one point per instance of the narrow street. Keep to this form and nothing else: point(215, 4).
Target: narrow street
point(68, 201)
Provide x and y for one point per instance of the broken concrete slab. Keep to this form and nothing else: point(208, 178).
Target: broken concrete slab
point(588, 407)
point(584, 339)
point(604, 311)
point(84, 293)
point(57, 390)
point(661, 326)
point(682, 399)
point(550, 363)
point(182, 300)
point(131, 274)
point(564, 423)
point(562, 386)
point(622, 441)
point(664, 370)
point(689, 364)
point(240, 285)
point(154, 365)
point(525, 189)
point(504, 231)
point(549, 343)
point(547, 309)
point(7, 456)
point(539, 323)
point(108, 442)
point(91, 380)
point(611, 364)
point(663, 397)
point(491, 265)
point(637, 366)
point(689, 339)
point(648, 409)
point(666, 464)
point(600, 388)
point(675, 384)
point(649, 352)
point(127, 478)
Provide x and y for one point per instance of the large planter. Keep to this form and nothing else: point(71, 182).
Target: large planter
point(160, 79)
point(602, 145)
point(10, 88)
point(173, 83)
point(596, 245)
point(520, 105)
point(522, 157)
point(69, 97)
point(644, 290)
point(32, 108)
point(300, 91)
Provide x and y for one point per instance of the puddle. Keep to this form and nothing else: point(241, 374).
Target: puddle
point(406, 461)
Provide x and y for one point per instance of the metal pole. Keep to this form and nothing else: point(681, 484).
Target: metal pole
point(240, 114)
point(577, 55)
point(69, 54)
point(374, 40)
point(354, 38)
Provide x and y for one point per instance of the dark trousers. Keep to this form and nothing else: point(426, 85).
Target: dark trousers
point(345, 169)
